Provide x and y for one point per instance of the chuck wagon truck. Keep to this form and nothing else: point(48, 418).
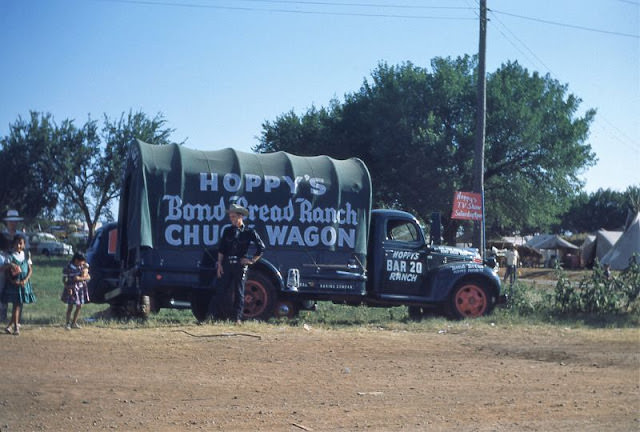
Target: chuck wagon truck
point(323, 241)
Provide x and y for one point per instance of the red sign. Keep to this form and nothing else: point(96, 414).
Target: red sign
point(467, 205)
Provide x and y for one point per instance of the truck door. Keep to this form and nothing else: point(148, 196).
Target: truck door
point(404, 263)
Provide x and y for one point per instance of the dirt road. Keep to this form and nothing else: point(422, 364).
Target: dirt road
point(463, 377)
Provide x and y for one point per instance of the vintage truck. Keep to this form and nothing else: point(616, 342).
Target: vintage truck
point(313, 213)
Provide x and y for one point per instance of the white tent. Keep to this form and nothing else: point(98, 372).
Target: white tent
point(588, 250)
point(629, 243)
point(553, 247)
point(605, 241)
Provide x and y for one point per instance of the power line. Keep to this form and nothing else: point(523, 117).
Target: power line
point(521, 43)
point(376, 5)
point(635, 36)
point(292, 11)
point(609, 128)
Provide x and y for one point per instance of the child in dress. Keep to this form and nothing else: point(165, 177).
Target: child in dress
point(18, 286)
point(76, 291)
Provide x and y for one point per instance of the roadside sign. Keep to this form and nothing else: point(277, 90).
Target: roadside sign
point(467, 205)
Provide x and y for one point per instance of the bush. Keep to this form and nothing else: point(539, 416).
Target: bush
point(599, 294)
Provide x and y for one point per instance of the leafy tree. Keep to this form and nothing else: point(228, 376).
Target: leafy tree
point(535, 149)
point(93, 159)
point(29, 180)
point(414, 130)
point(74, 168)
point(603, 209)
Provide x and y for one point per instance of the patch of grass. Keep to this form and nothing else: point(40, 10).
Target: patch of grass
point(531, 304)
point(47, 285)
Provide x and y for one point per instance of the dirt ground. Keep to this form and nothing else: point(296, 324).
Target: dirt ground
point(463, 377)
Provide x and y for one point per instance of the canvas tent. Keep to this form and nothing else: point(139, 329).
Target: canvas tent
point(605, 241)
point(597, 245)
point(588, 250)
point(629, 243)
point(549, 241)
point(553, 247)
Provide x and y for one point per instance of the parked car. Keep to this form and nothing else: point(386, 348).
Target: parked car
point(47, 244)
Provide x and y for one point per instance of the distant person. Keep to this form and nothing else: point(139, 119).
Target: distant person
point(11, 221)
point(512, 259)
point(18, 290)
point(75, 276)
point(233, 263)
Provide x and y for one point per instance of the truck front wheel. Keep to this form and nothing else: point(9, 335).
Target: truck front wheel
point(469, 299)
point(259, 297)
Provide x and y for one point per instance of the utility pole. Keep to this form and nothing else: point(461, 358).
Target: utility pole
point(481, 107)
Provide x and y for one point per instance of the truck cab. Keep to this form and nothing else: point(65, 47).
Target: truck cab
point(404, 269)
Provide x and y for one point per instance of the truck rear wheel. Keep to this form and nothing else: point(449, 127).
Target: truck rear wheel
point(469, 299)
point(259, 297)
point(200, 305)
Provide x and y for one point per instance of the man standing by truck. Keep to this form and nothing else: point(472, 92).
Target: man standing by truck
point(233, 263)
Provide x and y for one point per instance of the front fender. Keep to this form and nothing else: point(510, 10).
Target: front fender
point(445, 277)
point(207, 276)
point(271, 271)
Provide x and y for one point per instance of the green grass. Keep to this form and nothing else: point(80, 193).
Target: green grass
point(530, 307)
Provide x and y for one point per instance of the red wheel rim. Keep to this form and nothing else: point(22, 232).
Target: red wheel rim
point(471, 301)
point(255, 299)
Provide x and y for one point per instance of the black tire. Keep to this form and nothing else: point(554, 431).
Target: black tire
point(415, 313)
point(154, 304)
point(259, 297)
point(470, 299)
point(200, 304)
point(97, 294)
point(286, 309)
point(46, 253)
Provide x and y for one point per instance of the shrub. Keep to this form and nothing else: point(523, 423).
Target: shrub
point(599, 294)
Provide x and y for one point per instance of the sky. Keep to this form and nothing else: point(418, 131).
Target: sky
point(218, 69)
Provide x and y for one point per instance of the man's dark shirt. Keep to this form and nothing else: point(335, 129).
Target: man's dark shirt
point(235, 242)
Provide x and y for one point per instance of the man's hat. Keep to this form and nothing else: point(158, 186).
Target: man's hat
point(235, 208)
point(12, 215)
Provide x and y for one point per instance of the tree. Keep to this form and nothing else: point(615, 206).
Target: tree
point(536, 149)
point(92, 160)
point(75, 168)
point(603, 209)
point(414, 130)
point(29, 179)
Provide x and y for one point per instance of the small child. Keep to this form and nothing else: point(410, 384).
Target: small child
point(76, 291)
point(18, 288)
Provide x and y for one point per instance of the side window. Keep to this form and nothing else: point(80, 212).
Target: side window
point(403, 231)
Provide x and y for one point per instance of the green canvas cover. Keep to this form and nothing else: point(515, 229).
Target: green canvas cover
point(176, 197)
